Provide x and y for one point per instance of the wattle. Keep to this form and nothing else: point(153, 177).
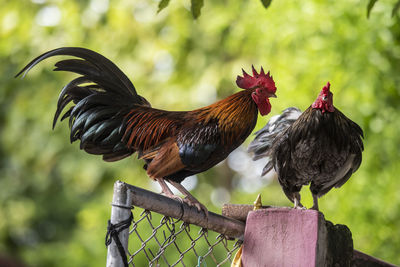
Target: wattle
point(263, 104)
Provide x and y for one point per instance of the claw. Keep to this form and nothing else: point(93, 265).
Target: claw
point(296, 201)
point(195, 203)
point(189, 199)
point(300, 207)
point(176, 198)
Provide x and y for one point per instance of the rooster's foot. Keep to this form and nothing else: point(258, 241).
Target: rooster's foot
point(175, 197)
point(300, 207)
point(297, 203)
point(195, 203)
point(315, 206)
point(189, 198)
point(166, 191)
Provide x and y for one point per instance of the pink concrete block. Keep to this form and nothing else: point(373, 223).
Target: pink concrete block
point(285, 237)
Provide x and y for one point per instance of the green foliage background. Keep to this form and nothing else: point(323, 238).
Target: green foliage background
point(54, 199)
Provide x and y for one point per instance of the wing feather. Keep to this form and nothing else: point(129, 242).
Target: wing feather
point(147, 128)
point(166, 161)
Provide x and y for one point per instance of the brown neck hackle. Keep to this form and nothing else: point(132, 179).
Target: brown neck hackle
point(236, 115)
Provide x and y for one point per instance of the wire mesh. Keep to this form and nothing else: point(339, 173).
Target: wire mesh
point(159, 240)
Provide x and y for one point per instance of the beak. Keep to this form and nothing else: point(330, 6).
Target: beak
point(273, 95)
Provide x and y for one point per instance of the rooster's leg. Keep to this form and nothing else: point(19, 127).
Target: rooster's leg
point(189, 198)
point(315, 199)
point(296, 201)
point(166, 191)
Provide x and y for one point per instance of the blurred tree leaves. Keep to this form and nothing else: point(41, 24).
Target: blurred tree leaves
point(372, 3)
point(196, 7)
point(266, 3)
point(163, 4)
point(396, 8)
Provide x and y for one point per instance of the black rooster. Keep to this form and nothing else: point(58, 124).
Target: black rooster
point(321, 146)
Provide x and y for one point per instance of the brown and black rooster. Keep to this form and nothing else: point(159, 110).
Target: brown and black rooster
point(111, 119)
point(320, 146)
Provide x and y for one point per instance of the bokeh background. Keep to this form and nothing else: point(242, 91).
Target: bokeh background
point(54, 198)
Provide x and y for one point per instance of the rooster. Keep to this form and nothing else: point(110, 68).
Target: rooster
point(111, 119)
point(320, 146)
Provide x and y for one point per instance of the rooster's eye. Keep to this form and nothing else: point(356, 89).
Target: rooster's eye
point(324, 98)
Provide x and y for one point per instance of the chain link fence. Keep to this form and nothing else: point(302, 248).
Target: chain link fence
point(148, 229)
point(164, 241)
point(165, 232)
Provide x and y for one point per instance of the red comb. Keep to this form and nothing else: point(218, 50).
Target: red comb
point(326, 88)
point(258, 79)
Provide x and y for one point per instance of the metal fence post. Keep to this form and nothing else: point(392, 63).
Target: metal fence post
point(120, 211)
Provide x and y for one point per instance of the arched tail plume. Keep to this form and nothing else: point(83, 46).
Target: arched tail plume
point(102, 97)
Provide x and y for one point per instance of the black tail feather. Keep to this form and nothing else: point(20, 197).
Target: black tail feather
point(67, 95)
point(96, 116)
point(102, 95)
point(77, 66)
point(66, 115)
point(261, 146)
point(264, 140)
point(115, 156)
point(97, 60)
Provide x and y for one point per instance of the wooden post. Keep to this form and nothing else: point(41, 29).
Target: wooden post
point(119, 212)
point(292, 237)
point(287, 237)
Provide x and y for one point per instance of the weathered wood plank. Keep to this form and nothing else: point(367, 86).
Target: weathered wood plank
point(291, 237)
